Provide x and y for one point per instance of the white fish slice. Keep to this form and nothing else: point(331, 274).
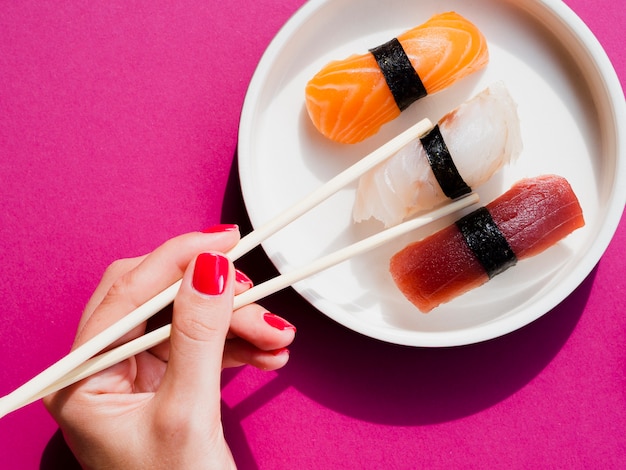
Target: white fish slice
point(482, 135)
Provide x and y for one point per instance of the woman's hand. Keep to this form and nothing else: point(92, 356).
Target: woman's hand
point(161, 408)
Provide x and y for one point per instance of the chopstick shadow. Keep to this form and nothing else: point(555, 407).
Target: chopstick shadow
point(385, 383)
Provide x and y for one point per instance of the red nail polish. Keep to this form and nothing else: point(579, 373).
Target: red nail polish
point(277, 322)
point(221, 228)
point(241, 278)
point(210, 273)
point(278, 352)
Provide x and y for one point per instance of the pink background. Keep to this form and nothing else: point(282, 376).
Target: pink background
point(118, 130)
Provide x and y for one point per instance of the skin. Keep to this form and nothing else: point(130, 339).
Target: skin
point(161, 408)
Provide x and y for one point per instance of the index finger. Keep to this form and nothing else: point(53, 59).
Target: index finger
point(156, 272)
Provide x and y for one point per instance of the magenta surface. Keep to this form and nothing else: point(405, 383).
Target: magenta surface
point(118, 130)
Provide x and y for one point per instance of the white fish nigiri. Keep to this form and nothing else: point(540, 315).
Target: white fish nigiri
point(482, 135)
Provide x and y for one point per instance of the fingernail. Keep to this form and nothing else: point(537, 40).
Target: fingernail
point(278, 352)
point(210, 273)
point(241, 278)
point(221, 228)
point(277, 322)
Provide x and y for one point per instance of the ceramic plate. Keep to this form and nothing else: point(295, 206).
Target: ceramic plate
point(572, 114)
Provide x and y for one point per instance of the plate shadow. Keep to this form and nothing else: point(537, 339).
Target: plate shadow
point(394, 384)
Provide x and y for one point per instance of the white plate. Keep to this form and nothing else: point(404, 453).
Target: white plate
point(573, 118)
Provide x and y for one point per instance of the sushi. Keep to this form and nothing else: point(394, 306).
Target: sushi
point(530, 217)
point(466, 148)
point(349, 100)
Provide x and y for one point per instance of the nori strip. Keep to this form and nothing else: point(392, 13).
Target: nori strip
point(487, 242)
point(402, 79)
point(444, 169)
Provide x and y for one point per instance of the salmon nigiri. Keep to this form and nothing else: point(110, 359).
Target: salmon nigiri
point(349, 100)
point(530, 217)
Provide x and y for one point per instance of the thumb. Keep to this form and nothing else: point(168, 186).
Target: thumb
point(201, 318)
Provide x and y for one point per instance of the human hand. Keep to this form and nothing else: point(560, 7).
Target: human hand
point(161, 408)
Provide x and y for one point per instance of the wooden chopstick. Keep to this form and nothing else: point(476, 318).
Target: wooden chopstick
point(149, 340)
point(99, 342)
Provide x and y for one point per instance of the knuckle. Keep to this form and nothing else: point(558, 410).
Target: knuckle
point(118, 268)
point(122, 288)
point(175, 423)
point(198, 330)
point(171, 426)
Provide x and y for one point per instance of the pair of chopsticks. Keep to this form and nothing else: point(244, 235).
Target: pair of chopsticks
point(85, 361)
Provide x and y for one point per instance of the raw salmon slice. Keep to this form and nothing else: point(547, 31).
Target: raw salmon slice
point(532, 216)
point(349, 100)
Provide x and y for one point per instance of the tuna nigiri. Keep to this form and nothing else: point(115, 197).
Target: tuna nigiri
point(481, 136)
point(349, 100)
point(533, 215)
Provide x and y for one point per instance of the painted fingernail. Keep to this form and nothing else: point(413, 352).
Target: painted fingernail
point(210, 273)
point(221, 228)
point(278, 352)
point(277, 322)
point(241, 278)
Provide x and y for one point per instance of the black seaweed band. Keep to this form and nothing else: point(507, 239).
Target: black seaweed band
point(487, 242)
point(402, 79)
point(444, 169)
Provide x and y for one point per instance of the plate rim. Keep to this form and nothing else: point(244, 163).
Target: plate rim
point(612, 88)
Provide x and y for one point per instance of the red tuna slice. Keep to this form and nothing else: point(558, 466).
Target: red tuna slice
point(533, 215)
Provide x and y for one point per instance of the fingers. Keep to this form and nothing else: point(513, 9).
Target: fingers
point(259, 338)
point(113, 272)
point(130, 283)
point(201, 318)
point(256, 337)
